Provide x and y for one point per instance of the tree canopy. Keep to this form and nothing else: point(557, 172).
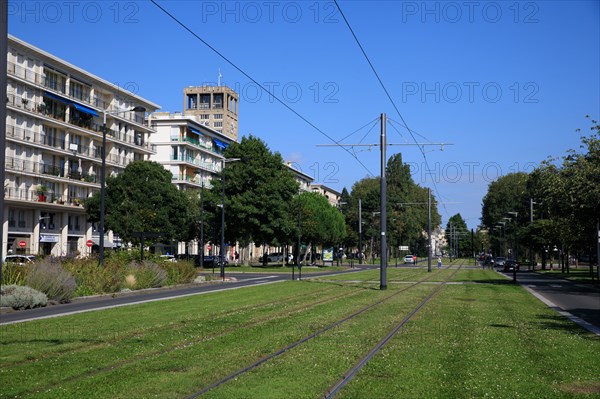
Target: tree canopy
point(143, 199)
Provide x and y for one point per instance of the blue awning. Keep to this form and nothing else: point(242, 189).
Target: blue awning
point(59, 98)
point(220, 144)
point(84, 109)
point(198, 132)
point(79, 107)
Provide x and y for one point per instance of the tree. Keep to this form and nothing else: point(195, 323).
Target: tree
point(458, 236)
point(259, 191)
point(321, 223)
point(143, 199)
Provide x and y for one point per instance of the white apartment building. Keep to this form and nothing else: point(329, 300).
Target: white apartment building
point(54, 127)
point(191, 151)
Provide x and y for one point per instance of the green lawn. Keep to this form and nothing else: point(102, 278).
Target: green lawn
point(580, 274)
point(482, 339)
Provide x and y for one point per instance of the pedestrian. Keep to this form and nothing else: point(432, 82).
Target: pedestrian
point(439, 262)
point(237, 257)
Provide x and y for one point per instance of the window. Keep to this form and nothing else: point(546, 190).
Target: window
point(76, 90)
point(218, 116)
point(54, 81)
point(192, 100)
point(218, 101)
point(204, 116)
point(218, 124)
point(204, 101)
point(22, 222)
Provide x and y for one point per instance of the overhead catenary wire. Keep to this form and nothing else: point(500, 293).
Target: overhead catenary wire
point(387, 94)
point(262, 87)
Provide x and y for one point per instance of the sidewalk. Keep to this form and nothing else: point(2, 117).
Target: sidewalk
point(578, 302)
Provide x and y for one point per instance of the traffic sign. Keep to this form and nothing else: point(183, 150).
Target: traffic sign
point(89, 243)
point(22, 243)
point(208, 247)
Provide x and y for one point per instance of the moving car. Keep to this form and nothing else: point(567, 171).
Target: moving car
point(510, 265)
point(409, 259)
point(500, 260)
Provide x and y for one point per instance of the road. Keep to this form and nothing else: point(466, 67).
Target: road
point(577, 299)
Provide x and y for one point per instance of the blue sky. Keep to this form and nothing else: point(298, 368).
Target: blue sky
point(506, 83)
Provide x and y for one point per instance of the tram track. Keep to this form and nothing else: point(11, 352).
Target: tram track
point(305, 339)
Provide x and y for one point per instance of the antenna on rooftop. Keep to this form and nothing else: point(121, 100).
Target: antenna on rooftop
point(219, 79)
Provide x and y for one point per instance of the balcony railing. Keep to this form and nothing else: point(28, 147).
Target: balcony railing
point(88, 124)
point(49, 198)
point(22, 165)
point(43, 82)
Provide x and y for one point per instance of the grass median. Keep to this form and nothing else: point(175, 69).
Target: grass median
point(487, 338)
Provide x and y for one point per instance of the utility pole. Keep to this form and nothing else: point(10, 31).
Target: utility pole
point(531, 255)
point(3, 71)
point(429, 230)
point(597, 248)
point(383, 214)
point(360, 255)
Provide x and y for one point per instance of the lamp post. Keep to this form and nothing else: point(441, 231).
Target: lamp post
point(515, 214)
point(103, 179)
point(201, 242)
point(222, 257)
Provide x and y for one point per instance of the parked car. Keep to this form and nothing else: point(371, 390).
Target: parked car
point(500, 260)
point(168, 258)
point(409, 259)
point(19, 260)
point(272, 257)
point(510, 265)
point(213, 260)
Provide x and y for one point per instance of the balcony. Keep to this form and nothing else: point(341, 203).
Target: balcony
point(55, 113)
point(49, 198)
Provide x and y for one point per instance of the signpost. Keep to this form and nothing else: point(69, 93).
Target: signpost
point(89, 243)
point(22, 244)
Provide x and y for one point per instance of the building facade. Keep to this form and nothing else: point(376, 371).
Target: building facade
point(334, 197)
point(54, 124)
point(213, 106)
point(191, 151)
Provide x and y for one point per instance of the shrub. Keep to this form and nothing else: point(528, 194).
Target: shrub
point(147, 274)
point(180, 272)
point(50, 278)
point(20, 297)
point(13, 274)
point(93, 279)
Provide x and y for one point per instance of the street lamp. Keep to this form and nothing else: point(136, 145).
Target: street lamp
point(103, 179)
point(223, 162)
point(201, 242)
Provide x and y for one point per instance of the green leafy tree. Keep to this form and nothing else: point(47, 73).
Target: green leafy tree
point(143, 199)
point(321, 223)
point(259, 191)
point(458, 236)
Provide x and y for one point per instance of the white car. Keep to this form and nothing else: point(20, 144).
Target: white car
point(409, 259)
point(19, 260)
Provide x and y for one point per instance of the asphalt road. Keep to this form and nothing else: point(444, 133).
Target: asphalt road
point(580, 300)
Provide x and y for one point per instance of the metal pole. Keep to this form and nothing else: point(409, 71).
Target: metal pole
point(360, 232)
point(299, 244)
point(223, 220)
point(201, 248)
point(383, 214)
point(429, 230)
point(102, 196)
point(3, 71)
point(597, 248)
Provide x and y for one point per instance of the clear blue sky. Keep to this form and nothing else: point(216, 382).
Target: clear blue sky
point(507, 83)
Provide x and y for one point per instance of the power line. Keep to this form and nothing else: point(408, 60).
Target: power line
point(386, 91)
point(240, 70)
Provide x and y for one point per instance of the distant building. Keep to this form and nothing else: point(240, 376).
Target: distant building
point(332, 195)
point(192, 152)
point(54, 123)
point(213, 106)
point(302, 178)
